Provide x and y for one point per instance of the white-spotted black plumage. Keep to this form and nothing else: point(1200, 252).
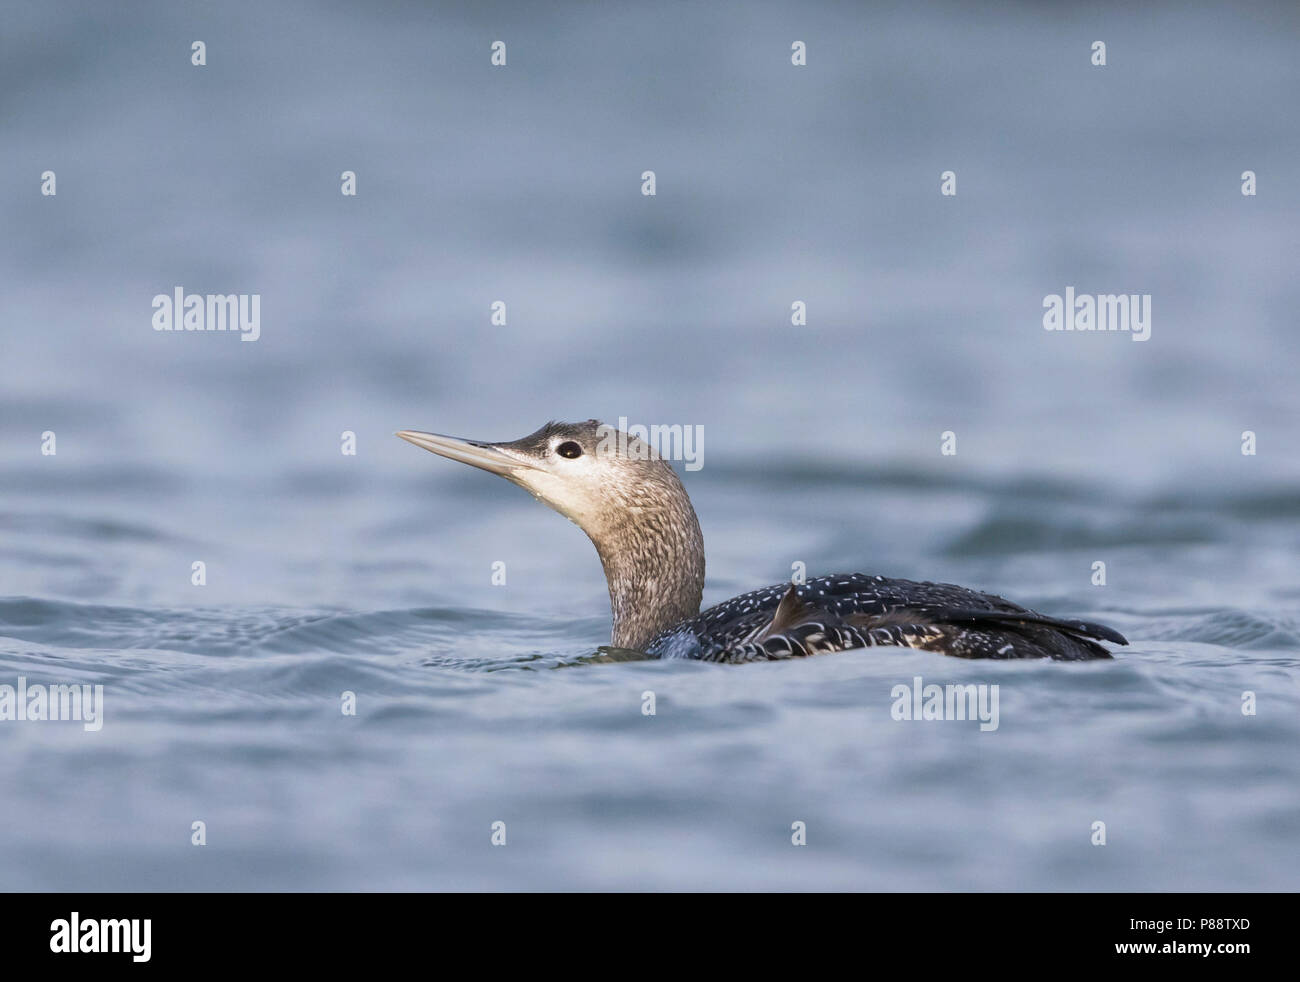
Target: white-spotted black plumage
point(634, 509)
point(854, 610)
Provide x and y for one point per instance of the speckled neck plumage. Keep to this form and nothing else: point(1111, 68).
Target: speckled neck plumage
point(653, 553)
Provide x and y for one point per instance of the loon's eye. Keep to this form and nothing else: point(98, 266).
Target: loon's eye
point(569, 450)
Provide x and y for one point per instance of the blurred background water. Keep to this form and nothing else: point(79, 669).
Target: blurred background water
point(372, 573)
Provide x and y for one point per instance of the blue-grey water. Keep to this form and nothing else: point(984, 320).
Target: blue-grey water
point(373, 573)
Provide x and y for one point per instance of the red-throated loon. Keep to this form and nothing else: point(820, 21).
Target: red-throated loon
point(634, 509)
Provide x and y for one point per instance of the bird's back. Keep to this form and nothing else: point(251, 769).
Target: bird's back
point(854, 610)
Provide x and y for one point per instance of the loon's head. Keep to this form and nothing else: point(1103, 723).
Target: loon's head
point(582, 470)
point(629, 502)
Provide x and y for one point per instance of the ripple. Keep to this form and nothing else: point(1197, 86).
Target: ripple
point(1231, 628)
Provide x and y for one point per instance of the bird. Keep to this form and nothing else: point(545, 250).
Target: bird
point(633, 506)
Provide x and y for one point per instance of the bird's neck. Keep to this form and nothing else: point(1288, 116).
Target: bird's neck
point(654, 565)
